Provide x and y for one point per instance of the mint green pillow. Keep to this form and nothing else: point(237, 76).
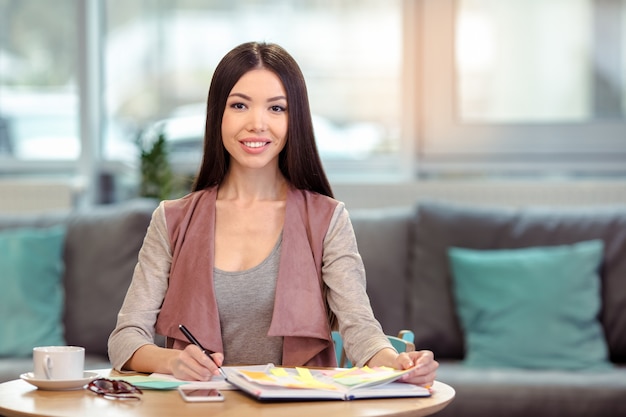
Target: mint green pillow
point(531, 308)
point(31, 290)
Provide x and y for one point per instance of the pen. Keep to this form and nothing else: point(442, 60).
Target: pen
point(193, 340)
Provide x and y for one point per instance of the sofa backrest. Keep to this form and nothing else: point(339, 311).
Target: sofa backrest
point(383, 241)
point(100, 254)
point(438, 226)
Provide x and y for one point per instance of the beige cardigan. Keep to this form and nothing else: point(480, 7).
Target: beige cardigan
point(300, 313)
point(342, 273)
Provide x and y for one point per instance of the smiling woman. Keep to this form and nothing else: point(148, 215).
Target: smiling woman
point(258, 94)
point(260, 248)
point(255, 120)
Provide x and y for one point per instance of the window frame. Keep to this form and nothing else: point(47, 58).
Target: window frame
point(448, 146)
point(433, 143)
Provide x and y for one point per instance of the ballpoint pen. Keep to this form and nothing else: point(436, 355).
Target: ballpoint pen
point(193, 340)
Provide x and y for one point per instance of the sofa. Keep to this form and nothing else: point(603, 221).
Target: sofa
point(99, 254)
point(410, 284)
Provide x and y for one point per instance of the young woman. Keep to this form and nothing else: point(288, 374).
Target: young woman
point(259, 262)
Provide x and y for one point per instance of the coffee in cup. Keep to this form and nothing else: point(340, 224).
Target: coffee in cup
point(58, 362)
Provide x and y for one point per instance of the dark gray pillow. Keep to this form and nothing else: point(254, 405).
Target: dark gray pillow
point(383, 240)
point(101, 251)
point(441, 225)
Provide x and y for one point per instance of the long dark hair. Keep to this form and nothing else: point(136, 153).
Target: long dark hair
point(299, 161)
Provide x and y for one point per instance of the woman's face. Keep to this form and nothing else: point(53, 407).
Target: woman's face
point(254, 126)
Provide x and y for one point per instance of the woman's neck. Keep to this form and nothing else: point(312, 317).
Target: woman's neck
point(252, 186)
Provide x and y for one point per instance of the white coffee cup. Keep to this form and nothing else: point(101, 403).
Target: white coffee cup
point(58, 362)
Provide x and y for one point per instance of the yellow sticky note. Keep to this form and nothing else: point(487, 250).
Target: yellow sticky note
point(305, 374)
point(279, 372)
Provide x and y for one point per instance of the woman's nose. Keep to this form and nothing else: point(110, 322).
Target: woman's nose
point(257, 120)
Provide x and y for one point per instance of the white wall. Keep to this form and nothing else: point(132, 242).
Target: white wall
point(513, 193)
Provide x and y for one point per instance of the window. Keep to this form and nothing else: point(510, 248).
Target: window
point(400, 89)
point(39, 107)
point(509, 89)
point(160, 56)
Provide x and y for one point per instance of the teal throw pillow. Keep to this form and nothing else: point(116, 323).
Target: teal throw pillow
point(31, 290)
point(531, 308)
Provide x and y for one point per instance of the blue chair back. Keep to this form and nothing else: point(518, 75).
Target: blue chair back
point(404, 342)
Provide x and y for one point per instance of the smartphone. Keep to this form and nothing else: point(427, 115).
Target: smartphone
point(198, 393)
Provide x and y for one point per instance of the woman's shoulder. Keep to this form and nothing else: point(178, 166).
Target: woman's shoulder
point(334, 206)
point(316, 197)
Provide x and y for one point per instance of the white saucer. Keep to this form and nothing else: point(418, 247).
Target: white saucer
point(59, 385)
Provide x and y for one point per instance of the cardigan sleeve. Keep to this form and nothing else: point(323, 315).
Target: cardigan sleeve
point(344, 274)
point(137, 316)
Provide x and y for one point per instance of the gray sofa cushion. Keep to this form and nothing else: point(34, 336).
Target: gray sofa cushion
point(383, 241)
point(520, 392)
point(100, 255)
point(439, 225)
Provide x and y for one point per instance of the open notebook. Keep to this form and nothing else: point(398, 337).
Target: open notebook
point(280, 383)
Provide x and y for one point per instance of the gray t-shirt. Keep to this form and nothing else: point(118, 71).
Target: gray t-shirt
point(245, 300)
point(342, 272)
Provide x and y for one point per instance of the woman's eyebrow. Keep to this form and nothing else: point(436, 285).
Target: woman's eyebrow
point(246, 97)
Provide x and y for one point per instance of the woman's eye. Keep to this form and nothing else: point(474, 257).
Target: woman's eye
point(277, 109)
point(238, 106)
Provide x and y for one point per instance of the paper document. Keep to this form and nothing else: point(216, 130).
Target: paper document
point(274, 383)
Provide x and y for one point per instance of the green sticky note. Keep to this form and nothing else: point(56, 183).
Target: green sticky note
point(146, 382)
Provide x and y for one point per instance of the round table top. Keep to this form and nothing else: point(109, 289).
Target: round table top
point(19, 398)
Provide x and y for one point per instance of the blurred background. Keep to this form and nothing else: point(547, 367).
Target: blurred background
point(406, 95)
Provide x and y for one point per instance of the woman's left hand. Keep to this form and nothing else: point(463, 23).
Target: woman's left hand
point(424, 364)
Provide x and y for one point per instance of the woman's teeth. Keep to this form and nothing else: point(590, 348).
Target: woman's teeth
point(254, 144)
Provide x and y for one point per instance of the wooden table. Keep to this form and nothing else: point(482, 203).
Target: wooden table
point(18, 398)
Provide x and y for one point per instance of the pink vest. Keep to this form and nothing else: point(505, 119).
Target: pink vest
point(300, 312)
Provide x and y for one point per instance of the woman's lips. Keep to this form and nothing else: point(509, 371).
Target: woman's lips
point(254, 146)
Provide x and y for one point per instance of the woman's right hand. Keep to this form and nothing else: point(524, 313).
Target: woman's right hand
point(192, 364)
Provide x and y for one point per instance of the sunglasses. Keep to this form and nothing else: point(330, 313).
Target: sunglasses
point(114, 389)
